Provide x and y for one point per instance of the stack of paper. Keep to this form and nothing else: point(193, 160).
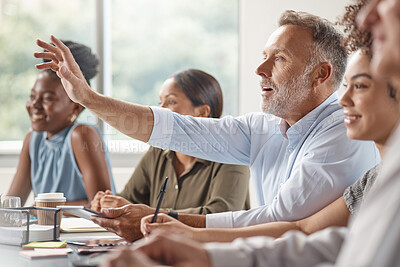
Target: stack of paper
point(74, 225)
point(18, 235)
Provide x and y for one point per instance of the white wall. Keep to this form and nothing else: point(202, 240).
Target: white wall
point(258, 20)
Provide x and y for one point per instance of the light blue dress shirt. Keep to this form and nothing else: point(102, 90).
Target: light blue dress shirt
point(295, 170)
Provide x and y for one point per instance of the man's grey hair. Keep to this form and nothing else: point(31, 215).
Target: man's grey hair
point(327, 46)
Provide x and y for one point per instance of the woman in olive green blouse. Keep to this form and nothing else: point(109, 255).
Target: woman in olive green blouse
point(195, 185)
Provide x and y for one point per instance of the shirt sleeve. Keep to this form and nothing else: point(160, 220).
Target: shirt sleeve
point(137, 189)
point(229, 190)
point(318, 178)
point(292, 249)
point(225, 140)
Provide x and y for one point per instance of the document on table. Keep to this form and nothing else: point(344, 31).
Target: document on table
point(77, 225)
point(19, 235)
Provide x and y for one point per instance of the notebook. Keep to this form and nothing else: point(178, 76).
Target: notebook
point(77, 225)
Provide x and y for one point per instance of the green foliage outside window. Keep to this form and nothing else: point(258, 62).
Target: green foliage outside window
point(151, 39)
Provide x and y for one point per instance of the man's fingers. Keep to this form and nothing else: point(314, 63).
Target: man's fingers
point(51, 48)
point(110, 225)
point(64, 50)
point(46, 46)
point(113, 213)
point(48, 65)
point(103, 222)
point(59, 44)
point(46, 55)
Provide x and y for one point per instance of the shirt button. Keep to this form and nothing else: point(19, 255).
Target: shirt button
point(280, 185)
point(176, 187)
point(290, 150)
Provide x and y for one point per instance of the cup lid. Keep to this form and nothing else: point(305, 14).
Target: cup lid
point(53, 197)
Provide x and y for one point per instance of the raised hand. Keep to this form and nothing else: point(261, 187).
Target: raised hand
point(165, 223)
point(63, 63)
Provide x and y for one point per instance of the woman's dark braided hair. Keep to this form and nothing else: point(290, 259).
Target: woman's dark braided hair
point(87, 61)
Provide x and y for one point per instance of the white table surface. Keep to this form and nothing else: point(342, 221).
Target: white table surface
point(9, 255)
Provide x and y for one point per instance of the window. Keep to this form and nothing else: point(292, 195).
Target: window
point(151, 39)
point(22, 22)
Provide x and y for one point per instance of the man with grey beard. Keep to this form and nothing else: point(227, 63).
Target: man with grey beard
point(299, 155)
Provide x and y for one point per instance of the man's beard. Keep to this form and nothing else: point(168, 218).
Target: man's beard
point(287, 96)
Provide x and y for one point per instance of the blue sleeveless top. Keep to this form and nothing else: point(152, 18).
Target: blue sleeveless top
point(54, 168)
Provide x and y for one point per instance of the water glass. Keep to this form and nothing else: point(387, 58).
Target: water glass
point(10, 218)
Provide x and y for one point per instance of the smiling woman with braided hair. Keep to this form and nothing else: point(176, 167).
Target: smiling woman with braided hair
point(59, 154)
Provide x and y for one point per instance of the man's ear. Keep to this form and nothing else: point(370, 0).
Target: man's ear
point(321, 74)
point(202, 111)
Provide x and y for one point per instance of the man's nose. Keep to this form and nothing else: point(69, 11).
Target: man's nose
point(264, 69)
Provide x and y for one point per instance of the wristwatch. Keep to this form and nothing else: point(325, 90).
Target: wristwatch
point(173, 214)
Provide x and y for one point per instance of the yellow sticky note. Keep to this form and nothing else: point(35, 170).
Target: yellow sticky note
point(49, 244)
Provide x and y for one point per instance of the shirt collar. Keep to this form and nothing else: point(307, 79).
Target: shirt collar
point(298, 130)
point(169, 154)
point(284, 126)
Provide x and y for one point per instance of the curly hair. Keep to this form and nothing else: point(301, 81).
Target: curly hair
point(355, 38)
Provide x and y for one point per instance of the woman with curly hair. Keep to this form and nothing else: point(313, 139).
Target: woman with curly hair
point(370, 107)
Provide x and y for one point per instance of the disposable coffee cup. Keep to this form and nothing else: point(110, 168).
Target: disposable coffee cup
point(49, 200)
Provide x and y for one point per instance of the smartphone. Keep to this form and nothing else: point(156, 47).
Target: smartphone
point(81, 211)
point(98, 242)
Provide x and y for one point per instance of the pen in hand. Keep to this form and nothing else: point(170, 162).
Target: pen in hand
point(160, 195)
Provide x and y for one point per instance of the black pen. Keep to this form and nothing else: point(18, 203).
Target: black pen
point(160, 195)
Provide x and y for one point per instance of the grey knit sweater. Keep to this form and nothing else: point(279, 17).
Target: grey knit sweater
point(354, 194)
